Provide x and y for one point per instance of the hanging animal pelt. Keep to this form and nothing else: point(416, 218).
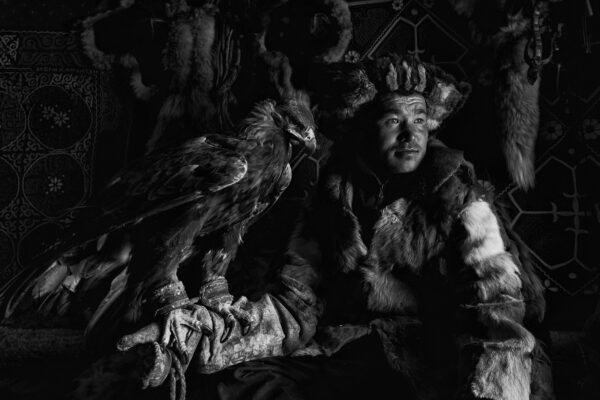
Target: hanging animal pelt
point(518, 116)
point(214, 63)
point(188, 62)
point(330, 29)
point(504, 27)
point(103, 60)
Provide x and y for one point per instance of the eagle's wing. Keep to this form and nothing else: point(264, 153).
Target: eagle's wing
point(148, 187)
point(172, 178)
point(156, 183)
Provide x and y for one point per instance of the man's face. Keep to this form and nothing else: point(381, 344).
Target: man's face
point(402, 132)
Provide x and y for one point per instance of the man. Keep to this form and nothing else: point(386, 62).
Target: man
point(400, 282)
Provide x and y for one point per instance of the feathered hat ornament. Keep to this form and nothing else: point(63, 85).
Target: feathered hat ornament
point(351, 86)
point(443, 94)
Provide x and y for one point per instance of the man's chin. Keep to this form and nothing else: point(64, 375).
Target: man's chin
point(407, 163)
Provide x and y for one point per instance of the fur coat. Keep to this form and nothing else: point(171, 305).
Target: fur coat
point(426, 265)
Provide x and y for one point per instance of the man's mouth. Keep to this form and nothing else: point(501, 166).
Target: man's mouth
point(402, 150)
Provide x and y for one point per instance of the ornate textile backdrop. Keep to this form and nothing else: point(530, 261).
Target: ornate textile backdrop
point(62, 132)
point(62, 126)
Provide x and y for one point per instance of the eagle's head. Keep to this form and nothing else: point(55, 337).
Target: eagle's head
point(296, 120)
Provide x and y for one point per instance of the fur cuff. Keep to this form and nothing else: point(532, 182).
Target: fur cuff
point(503, 371)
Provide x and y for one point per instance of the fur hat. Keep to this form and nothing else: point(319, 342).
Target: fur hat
point(342, 89)
point(443, 94)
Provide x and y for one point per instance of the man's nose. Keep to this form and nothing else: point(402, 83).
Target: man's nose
point(404, 133)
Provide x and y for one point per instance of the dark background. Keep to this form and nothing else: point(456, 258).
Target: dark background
point(66, 127)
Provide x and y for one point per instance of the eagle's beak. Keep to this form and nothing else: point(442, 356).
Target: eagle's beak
point(305, 139)
point(310, 141)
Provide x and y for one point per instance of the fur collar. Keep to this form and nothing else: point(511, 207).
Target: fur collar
point(346, 245)
point(440, 162)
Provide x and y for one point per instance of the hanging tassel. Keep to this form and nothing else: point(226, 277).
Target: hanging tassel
point(585, 31)
point(177, 374)
point(589, 8)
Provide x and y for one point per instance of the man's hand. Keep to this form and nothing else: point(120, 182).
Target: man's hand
point(177, 328)
point(195, 329)
point(182, 330)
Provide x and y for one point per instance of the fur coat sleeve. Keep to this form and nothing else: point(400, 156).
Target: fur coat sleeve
point(285, 318)
point(499, 356)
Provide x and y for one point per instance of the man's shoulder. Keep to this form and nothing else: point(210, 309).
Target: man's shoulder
point(457, 182)
point(445, 166)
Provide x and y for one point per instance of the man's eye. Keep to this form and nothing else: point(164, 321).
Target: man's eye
point(419, 121)
point(392, 121)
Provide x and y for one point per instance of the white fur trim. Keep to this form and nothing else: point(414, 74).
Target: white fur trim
point(503, 372)
point(503, 375)
point(498, 274)
point(432, 124)
point(483, 233)
point(391, 215)
point(407, 82)
point(445, 91)
point(392, 78)
point(422, 78)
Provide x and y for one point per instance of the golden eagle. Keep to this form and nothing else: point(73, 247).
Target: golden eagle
point(189, 202)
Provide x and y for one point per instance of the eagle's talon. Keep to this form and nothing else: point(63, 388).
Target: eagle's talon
point(214, 294)
point(229, 321)
point(246, 328)
point(207, 331)
point(246, 319)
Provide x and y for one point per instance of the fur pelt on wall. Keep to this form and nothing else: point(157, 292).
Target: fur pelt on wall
point(504, 27)
point(518, 114)
point(188, 61)
point(104, 60)
point(215, 60)
point(321, 32)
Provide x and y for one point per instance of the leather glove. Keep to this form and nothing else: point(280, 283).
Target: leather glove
point(171, 349)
